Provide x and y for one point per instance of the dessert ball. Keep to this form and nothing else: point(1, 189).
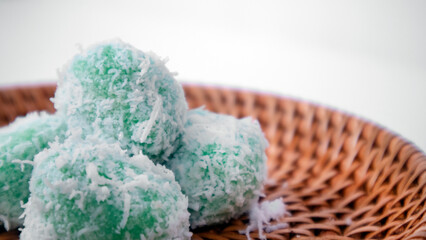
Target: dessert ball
point(91, 189)
point(19, 143)
point(220, 165)
point(127, 94)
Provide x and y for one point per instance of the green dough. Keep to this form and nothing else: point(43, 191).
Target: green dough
point(19, 143)
point(127, 94)
point(220, 165)
point(91, 189)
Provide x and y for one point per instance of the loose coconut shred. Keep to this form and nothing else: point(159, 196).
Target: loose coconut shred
point(261, 215)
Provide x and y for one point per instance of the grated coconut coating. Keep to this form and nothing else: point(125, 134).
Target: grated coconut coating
point(91, 189)
point(126, 93)
point(19, 143)
point(220, 165)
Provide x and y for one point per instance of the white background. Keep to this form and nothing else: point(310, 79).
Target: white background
point(364, 57)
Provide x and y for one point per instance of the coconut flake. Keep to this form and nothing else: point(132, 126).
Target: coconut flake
point(271, 228)
point(140, 181)
point(262, 214)
point(348, 221)
point(60, 162)
point(126, 210)
point(80, 202)
point(5, 221)
point(150, 123)
point(93, 175)
point(87, 230)
point(22, 162)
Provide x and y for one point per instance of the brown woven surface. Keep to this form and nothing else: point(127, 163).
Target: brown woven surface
point(340, 177)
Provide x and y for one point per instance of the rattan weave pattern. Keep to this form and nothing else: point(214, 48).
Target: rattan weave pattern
point(341, 177)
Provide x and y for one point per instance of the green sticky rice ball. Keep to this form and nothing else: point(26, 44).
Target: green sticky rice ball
point(91, 189)
point(126, 93)
point(19, 143)
point(220, 165)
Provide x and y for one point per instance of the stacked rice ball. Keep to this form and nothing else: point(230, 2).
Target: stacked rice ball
point(126, 159)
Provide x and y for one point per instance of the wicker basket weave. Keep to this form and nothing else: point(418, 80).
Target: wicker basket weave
point(341, 177)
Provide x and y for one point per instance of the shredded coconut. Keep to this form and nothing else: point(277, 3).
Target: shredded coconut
point(140, 181)
point(262, 214)
point(150, 123)
point(271, 228)
point(60, 162)
point(22, 162)
point(93, 175)
point(5, 221)
point(348, 221)
point(87, 230)
point(126, 210)
point(271, 182)
point(80, 202)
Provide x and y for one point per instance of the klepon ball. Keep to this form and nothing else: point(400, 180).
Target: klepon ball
point(220, 165)
point(91, 189)
point(19, 143)
point(128, 94)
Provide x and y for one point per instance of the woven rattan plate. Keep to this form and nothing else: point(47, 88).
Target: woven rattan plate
point(340, 176)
